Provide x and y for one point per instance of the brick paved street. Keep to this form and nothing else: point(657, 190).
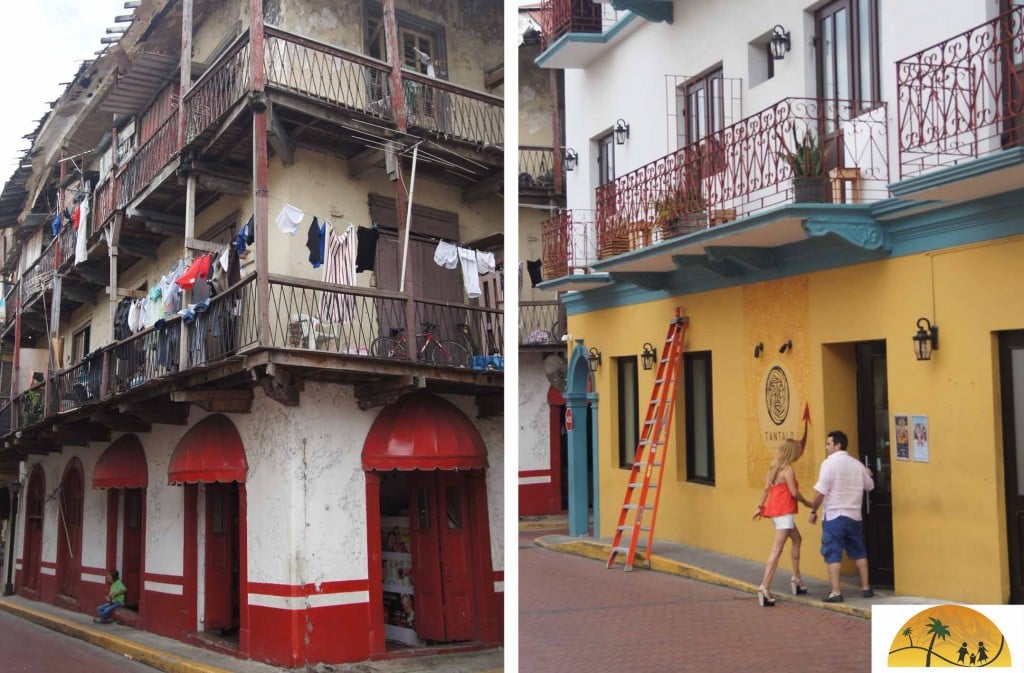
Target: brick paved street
point(577, 616)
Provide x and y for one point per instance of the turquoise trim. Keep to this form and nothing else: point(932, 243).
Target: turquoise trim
point(971, 168)
point(593, 38)
point(862, 231)
point(576, 398)
point(652, 10)
point(986, 219)
point(565, 282)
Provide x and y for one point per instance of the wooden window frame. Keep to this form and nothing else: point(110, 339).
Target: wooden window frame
point(690, 398)
point(605, 158)
point(864, 100)
point(628, 437)
point(85, 330)
point(704, 82)
point(374, 40)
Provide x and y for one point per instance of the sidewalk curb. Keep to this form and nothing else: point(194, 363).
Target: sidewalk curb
point(600, 552)
point(152, 657)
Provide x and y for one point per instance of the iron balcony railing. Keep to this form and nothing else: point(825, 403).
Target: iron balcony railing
point(558, 17)
point(540, 323)
point(102, 204)
point(148, 161)
point(536, 167)
point(220, 87)
point(568, 243)
point(450, 111)
point(798, 150)
point(963, 97)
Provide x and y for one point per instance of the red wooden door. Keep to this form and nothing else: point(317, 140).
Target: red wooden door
point(442, 558)
point(221, 533)
point(69, 533)
point(33, 530)
point(456, 556)
point(426, 558)
point(131, 570)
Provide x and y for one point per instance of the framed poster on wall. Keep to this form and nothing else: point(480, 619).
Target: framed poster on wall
point(902, 434)
point(920, 435)
point(399, 596)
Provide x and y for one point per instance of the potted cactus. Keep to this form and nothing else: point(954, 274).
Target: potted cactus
point(681, 211)
point(807, 167)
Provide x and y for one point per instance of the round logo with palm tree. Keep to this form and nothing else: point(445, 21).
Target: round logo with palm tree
point(949, 636)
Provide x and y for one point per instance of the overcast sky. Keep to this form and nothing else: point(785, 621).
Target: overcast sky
point(41, 44)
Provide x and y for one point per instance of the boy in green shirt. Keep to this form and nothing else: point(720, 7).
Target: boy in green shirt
point(115, 599)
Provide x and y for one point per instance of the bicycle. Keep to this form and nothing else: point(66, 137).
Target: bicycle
point(434, 350)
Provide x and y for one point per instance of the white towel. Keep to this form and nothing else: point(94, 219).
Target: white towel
point(446, 255)
point(288, 219)
point(485, 262)
point(81, 240)
point(470, 277)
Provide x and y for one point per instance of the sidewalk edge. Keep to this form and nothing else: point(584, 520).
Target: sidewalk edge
point(158, 659)
point(600, 552)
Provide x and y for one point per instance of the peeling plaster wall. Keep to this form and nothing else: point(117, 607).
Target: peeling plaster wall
point(336, 23)
point(531, 247)
point(225, 20)
point(534, 446)
point(534, 100)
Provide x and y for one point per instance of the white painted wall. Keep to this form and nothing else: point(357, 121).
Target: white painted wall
point(534, 443)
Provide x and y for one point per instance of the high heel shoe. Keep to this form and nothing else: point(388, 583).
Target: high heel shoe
point(765, 598)
point(797, 586)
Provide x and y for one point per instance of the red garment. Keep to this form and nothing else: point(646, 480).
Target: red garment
point(780, 501)
point(74, 218)
point(200, 268)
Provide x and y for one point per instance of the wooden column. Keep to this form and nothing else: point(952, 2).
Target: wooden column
point(556, 133)
point(261, 217)
point(186, 67)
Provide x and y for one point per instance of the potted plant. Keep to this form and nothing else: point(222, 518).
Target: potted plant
point(807, 167)
point(680, 211)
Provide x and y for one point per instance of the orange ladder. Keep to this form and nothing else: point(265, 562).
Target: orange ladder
point(650, 452)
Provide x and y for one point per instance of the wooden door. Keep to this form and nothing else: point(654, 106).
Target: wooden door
point(455, 532)
point(69, 532)
point(221, 586)
point(426, 558)
point(1011, 375)
point(131, 565)
point(33, 529)
point(873, 429)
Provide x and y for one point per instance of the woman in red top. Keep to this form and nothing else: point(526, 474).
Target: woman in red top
point(779, 502)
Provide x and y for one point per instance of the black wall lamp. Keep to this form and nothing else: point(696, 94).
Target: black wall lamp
point(779, 42)
point(570, 159)
point(758, 349)
point(621, 131)
point(649, 355)
point(926, 340)
point(788, 346)
point(594, 360)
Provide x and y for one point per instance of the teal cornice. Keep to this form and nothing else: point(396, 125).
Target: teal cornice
point(860, 230)
point(964, 170)
point(652, 10)
point(582, 38)
point(648, 281)
point(568, 283)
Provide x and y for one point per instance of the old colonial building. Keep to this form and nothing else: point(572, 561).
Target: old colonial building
point(818, 187)
point(236, 372)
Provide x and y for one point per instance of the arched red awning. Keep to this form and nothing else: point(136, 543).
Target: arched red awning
point(122, 465)
point(210, 452)
point(423, 432)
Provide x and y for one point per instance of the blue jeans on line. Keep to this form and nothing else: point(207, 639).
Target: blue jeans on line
point(106, 611)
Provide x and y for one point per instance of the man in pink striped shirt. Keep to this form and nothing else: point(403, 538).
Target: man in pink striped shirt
point(842, 481)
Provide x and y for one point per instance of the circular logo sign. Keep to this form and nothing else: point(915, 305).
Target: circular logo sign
point(776, 395)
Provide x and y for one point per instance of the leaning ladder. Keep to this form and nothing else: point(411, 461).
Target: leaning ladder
point(649, 461)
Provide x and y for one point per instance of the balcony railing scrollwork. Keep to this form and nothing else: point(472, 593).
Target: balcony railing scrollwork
point(569, 244)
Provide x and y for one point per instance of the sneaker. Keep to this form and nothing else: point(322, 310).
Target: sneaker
point(867, 593)
point(838, 598)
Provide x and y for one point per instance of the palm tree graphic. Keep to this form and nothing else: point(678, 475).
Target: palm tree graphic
point(906, 632)
point(938, 630)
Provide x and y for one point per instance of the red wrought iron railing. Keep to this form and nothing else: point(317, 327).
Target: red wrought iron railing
point(536, 167)
point(148, 160)
point(218, 89)
point(963, 97)
point(558, 17)
point(101, 205)
point(800, 149)
point(326, 73)
point(568, 243)
point(452, 111)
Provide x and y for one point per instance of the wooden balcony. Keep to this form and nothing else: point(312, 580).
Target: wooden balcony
point(215, 353)
point(961, 100)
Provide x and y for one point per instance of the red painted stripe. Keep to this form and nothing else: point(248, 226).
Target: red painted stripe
point(534, 473)
point(166, 579)
point(499, 575)
point(47, 564)
point(94, 571)
point(291, 590)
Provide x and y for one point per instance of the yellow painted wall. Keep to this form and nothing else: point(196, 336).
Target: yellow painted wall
point(954, 502)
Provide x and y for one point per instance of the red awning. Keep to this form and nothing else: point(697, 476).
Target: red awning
point(423, 432)
point(122, 465)
point(210, 452)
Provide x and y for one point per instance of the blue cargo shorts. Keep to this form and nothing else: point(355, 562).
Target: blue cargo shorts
point(842, 533)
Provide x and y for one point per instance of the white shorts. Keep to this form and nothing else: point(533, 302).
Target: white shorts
point(784, 522)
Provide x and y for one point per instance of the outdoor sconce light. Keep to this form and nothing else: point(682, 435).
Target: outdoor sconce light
point(788, 346)
point(621, 131)
point(926, 340)
point(570, 159)
point(595, 360)
point(648, 357)
point(758, 349)
point(779, 42)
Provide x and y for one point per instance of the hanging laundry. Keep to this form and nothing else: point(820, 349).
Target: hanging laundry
point(366, 253)
point(485, 262)
point(81, 239)
point(315, 243)
point(339, 269)
point(169, 289)
point(154, 305)
point(533, 267)
point(200, 268)
point(121, 330)
point(446, 255)
point(245, 236)
point(470, 277)
point(55, 224)
point(133, 317)
point(289, 219)
point(75, 216)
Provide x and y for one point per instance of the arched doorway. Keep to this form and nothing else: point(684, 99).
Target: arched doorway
point(210, 459)
point(35, 496)
point(582, 443)
point(69, 530)
point(122, 470)
point(428, 524)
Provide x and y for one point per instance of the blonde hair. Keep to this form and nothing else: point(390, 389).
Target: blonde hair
point(785, 454)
